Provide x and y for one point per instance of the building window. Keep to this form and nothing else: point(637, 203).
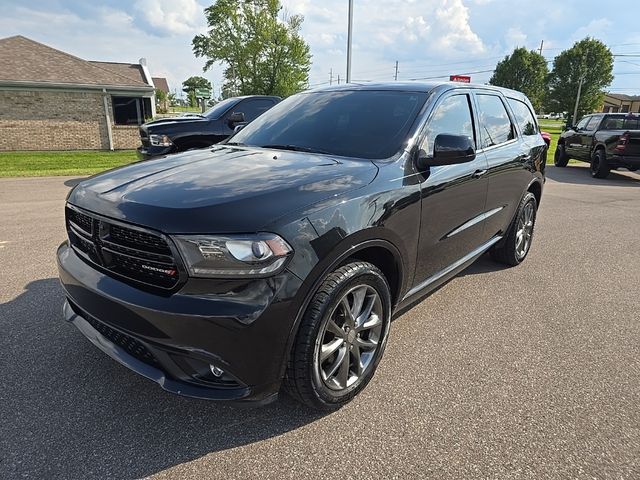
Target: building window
point(625, 108)
point(130, 110)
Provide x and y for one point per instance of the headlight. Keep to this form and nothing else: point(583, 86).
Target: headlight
point(257, 255)
point(160, 141)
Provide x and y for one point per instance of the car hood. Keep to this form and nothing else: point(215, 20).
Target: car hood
point(220, 190)
point(173, 121)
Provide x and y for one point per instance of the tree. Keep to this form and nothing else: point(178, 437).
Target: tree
point(189, 87)
point(589, 59)
point(161, 100)
point(263, 54)
point(525, 71)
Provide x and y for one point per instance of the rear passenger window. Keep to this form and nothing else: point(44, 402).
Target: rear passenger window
point(452, 116)
point(495, 124)
point(524, 117)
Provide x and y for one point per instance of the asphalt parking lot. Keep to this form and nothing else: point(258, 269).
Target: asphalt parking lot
point(529, 372)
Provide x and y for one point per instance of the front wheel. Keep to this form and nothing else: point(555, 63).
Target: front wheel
point(513, 249)
point(342, 337)
point(560, 158)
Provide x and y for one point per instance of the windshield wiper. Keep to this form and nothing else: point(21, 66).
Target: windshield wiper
point(240, 144)
point(294, 148)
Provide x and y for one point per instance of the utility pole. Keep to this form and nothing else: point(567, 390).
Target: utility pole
point(349, 35)
point(331, 76)
point(396, 75)
point(575, 109)
point(338, 79)
point(541, 45)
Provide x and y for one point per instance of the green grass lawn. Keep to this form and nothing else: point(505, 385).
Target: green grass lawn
point(36, 164)
point(554, 128)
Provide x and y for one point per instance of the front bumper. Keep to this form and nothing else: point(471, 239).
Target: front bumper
point(174, 339)
point(146, 153)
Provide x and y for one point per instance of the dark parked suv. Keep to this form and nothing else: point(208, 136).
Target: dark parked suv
point(279, 257)
point(179, 134)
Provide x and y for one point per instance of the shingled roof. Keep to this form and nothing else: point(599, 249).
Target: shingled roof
point(161, 84)
point(26, 61)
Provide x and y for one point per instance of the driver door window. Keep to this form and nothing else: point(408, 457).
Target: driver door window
point(452, 116)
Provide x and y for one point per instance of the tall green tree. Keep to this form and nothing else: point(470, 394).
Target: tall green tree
point(526, 71)
point(262, 50)
point(589, 59)
point(190, 85)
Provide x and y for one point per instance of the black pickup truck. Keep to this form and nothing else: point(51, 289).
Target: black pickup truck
point(177, 134)
point(605, 140)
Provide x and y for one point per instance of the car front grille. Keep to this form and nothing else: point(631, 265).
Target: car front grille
point(132, 253)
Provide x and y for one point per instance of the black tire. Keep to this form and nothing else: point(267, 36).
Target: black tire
point(560, 158)
point(506, 251)
point(303, 379)
point(632, 169)
point(599, 165)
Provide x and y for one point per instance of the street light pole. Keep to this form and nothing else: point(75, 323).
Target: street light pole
point(575, 109)
point(349, 41)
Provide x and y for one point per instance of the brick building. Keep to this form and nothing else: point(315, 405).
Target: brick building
point(621, 103)
point(50, 100)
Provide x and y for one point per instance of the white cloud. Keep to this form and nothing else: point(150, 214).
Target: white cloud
point(595, 28)
point(172, 16)
point(515, 38)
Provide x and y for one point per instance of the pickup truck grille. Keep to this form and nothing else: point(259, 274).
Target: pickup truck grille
point(127, 252)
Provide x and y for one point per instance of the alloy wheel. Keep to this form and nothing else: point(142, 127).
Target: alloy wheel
point(350, 339)
point(525, 230)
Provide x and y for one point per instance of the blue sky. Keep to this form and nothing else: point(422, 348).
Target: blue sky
point(428, 38)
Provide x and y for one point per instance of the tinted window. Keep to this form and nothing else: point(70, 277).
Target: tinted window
point(593, 123)
point(252, 109)
point(621, 123)
point(453, 116)
point(524, 117)
point(495, 125)
point(219, 108)
point(582, 123)
point(358, 123)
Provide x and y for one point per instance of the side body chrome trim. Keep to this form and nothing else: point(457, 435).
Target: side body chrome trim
point(473, 221)
point(457, 264)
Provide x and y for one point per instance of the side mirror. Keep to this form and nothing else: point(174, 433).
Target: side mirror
point(235, 118)
point(448, 150)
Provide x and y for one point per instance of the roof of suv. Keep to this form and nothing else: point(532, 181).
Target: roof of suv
point(416, 87)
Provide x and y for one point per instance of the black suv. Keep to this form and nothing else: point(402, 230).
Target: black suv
point(178, 134)
point(279, 257)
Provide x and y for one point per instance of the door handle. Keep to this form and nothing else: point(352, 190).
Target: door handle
point(478, 173)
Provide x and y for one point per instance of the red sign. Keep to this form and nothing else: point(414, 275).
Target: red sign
point(460, 78)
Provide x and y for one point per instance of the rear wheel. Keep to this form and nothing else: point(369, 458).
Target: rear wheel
point(342, 337)
point(513, 249)
point(599, 165)
point(560, 158)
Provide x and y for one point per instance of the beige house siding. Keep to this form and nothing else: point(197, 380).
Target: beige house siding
point(55, 120)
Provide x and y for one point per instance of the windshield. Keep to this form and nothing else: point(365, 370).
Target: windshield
point(218, 109)
point(369, 124)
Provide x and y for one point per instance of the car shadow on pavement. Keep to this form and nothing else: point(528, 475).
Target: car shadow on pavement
point(69, 411)
point(579, 174)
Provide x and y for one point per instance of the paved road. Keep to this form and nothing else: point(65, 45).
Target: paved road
point(530, 372)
